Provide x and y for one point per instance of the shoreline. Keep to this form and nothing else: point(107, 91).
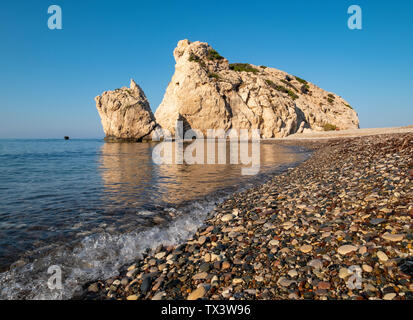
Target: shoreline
point(100, 253)
point(297, 236)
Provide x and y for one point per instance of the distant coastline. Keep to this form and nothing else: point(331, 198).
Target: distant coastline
point(350, 133)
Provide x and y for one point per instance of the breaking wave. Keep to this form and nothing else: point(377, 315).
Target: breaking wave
point(97, 256)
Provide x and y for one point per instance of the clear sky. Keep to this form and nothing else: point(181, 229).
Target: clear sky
point(49, 78)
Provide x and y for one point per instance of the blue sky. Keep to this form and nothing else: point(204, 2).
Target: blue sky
point(48, 78)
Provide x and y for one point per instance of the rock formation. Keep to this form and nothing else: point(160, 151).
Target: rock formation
point(125, 114)
point(207, 92)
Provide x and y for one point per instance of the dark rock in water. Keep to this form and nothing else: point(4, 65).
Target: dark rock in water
point(67, 138)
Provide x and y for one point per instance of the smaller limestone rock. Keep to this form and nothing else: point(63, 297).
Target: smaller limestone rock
point(125, 114)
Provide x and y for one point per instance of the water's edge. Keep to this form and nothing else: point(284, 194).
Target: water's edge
point(101, 256)
point(206, 214)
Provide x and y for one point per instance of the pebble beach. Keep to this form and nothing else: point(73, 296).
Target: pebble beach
point(338, 226)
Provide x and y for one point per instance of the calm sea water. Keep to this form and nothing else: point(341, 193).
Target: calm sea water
point(89, 207)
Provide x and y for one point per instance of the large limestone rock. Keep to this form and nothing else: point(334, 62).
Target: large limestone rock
point(125, 114)
point(206, 92)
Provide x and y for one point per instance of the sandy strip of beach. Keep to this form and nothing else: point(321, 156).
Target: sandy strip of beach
point(351, 133)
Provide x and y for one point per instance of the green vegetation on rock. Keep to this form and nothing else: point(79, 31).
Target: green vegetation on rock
point(239, 67)
point(211, 55)
point(282, 89)
point(214, 55)
point(300, 80)
point(214, 75)
point(289, 84)
point(329, 127)
point(193, 58)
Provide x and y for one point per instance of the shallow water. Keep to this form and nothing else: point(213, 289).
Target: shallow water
point(90, 207)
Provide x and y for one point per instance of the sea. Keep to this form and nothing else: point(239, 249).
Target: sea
point(88, 207)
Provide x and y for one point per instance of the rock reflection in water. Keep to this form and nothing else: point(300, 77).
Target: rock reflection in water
point(132, 179)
